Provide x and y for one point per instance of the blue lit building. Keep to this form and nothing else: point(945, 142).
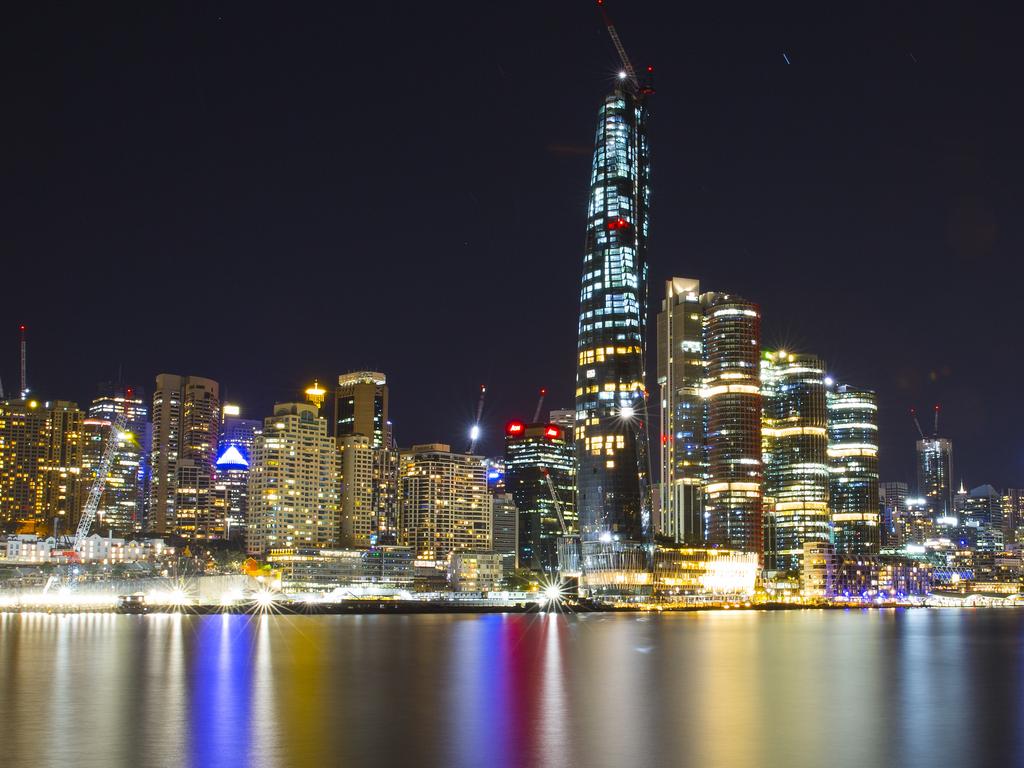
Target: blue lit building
point(234, 452)
point(611, 407)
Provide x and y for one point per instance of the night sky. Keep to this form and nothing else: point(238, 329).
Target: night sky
point(264, 194)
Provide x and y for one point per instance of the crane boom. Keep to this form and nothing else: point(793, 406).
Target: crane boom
point(474, 431)
point(557, 501)
point(117, 428)
point(936, 428)
point(913, 414)
point(627, 65)
point(540, 404)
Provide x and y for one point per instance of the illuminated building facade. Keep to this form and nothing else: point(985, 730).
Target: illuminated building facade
point(611, 412)
point(358, 518)
point(734, 488)
point(1013, 516)
point(361, 407)
point(293, 482)
point(505, 530)
point(935, 475)
point(119, 498)
point(231, 469)
point(444, 504)
point(681, 379)
point(984, 515)
point(186, 421)
point(892, 504)
point(119, 510)
point(535, 453)
point(795, 451)
point(853, 461)
point(40, 465)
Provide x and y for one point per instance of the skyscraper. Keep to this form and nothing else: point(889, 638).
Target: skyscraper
point(935, 475)
point(734, 489)
point(853, 461)
point(680, 362)
point(795, 451)
point(40, 465)
point(361, 407)
point(231, 469)
point(358, 521)
point(120, 504)
point(111, 400)
point(892, 505)
point(535, 454)
point(611, 408)
point(293, 482)
point(444, 502)
point(186, 420)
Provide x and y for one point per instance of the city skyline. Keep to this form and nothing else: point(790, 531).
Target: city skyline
point(725, 185)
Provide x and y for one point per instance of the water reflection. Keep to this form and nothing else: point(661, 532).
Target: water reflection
point(789, 689)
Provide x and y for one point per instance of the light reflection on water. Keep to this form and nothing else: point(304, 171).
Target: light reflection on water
point(807, 688)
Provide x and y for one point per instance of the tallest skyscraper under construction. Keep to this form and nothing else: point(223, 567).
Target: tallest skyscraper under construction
point(613, 494)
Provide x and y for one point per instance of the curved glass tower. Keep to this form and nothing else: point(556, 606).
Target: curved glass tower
point(795, 439)
point(611, 411)
point(853, 456)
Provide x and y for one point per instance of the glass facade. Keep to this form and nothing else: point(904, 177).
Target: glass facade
point(611, 411)
point(795, 449)
point(533, 453)
point(681, 378)
point(733, 494)
point(853, 461)
point(935, 475)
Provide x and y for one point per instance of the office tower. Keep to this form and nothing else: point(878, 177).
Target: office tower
point(62, 467)
point(1013, 516)
point(984, 516)
point(541, 476)
point(935, 474)
point(444, 504)
point(120, 504)
point(361, 407)
point(23, 446)
point(505, 531)
point(853, 462)
point(892, 504)
point(611, 408)
point(795, 454)
point(358, 519)
point(231, 469)
point(124, 503)
point(40, 466)
point(564, 418)
point(293, 482)
point(186, 420)
point(495, 475)
point(680, 358)
point(734, 485)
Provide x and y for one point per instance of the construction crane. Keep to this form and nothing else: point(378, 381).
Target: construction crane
point(936, 428)
point(24, 369)
point(540, 404)
point(474, 431)
point(629, 73)
point(913, 415)
point(557, 501)
point(117, 429)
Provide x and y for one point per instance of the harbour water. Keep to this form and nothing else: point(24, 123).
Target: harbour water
point(732, 688)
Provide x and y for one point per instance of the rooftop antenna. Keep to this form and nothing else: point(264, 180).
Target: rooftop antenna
point(24, 378)
point(936, 420)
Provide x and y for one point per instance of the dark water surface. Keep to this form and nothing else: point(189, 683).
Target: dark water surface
point(809, 688)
